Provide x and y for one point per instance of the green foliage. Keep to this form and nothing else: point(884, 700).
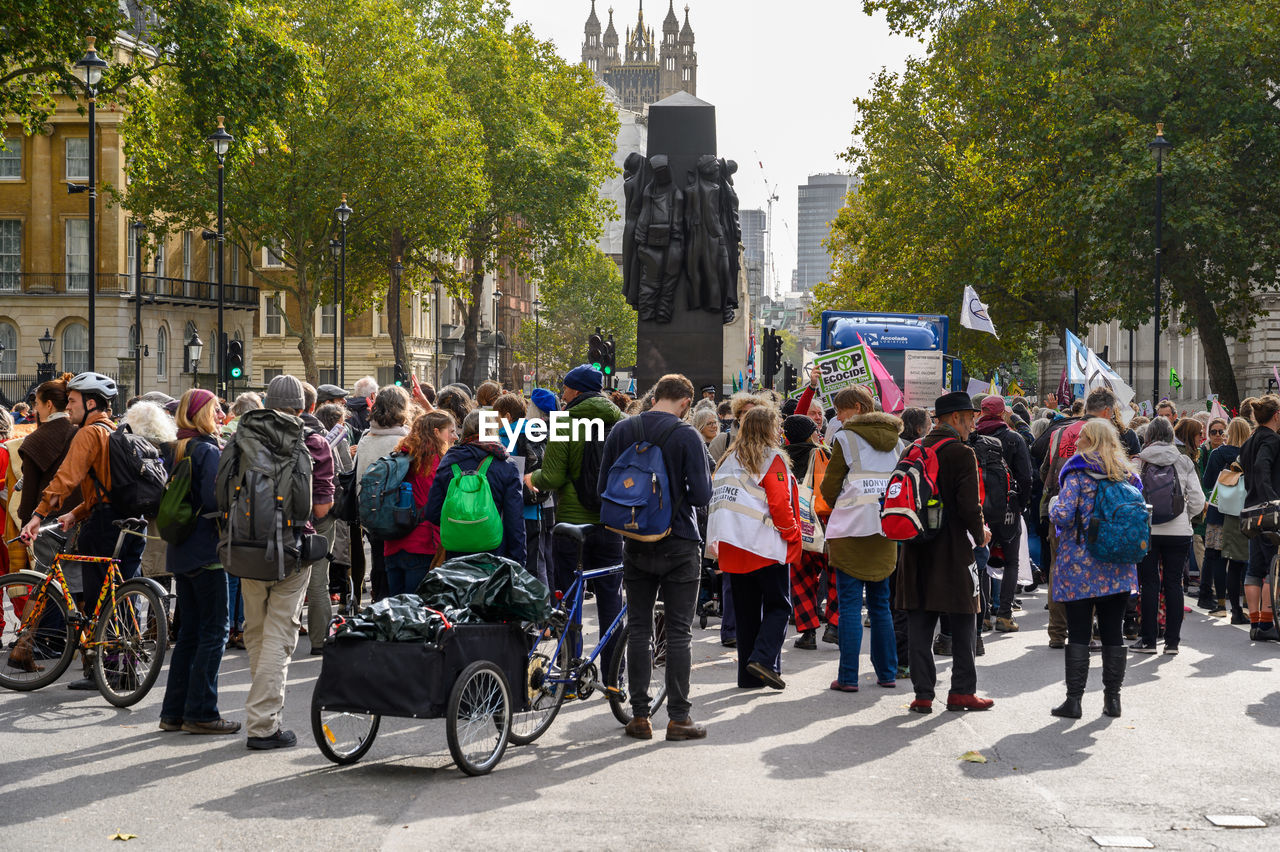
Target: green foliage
point(1013, 157)
point(579, 293)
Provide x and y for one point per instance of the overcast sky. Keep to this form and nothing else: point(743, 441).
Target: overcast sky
point(782, 76)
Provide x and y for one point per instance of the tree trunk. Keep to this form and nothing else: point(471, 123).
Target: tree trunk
point(395, 296)
point(471, 371)
point(1217, 356)
point(306, 327)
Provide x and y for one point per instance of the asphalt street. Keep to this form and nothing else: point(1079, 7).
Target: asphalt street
point(804, 768)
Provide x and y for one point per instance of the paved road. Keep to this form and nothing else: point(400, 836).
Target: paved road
point(802, 768)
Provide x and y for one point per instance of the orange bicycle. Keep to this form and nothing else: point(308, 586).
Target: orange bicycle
point(124, 639)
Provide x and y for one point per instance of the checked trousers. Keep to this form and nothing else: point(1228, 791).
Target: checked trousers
point(806, 582)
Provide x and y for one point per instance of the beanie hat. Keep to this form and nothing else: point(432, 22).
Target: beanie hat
point(798, 428)
point(199, 399)
point(285, 392)
point(545, 400)
point(584, 378)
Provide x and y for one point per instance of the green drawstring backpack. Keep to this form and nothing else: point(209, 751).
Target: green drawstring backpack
point(470, 521)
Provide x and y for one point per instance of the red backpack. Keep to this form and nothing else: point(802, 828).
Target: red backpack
point(912, 510)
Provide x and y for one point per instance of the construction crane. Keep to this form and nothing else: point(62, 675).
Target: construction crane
point(772, 287)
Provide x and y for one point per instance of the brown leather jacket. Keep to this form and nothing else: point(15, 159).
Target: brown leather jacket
point(88, 450)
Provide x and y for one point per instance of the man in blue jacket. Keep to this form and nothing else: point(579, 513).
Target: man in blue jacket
point(672, 564)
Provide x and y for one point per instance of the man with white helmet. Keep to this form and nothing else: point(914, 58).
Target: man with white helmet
point(87, 466)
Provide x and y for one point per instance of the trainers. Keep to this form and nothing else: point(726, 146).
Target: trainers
point(1170, 650)
point(942, 645)
point(639, 728)
point(807, 642)
point(217, 726)
point(1218, 612)
point(1143, 647)
point(280, 739)
point(1006, 625)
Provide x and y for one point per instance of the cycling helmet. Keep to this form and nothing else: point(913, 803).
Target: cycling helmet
point(94, 383)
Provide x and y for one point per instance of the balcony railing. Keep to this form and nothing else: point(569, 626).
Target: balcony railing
point(161, 290)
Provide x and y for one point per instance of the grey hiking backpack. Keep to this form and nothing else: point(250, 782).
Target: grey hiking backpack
point(264, 496)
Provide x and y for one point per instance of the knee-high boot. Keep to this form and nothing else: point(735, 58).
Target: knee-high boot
point(1114, 658)
point(1077, 666)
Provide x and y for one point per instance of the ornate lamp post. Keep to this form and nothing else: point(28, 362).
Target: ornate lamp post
point(1158, 146)
point(221, 141)
point(89, 70)
point(343, 212)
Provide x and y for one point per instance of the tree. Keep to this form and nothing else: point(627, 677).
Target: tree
point(372, 115)
point(548, 139)
point(1013, 157)
point(579, 293)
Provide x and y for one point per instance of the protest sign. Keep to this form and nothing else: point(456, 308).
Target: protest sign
point(842, 368)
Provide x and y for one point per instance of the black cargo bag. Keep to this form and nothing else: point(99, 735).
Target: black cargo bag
point(414, 679)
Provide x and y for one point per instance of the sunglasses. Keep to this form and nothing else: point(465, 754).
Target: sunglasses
point(1217, 431)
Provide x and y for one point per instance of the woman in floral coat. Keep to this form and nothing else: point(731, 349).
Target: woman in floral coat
point(1082, 582)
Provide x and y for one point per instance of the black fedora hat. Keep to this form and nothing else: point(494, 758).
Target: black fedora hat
point(952, 402)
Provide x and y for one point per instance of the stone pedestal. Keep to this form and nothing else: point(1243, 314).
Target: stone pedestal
point(683, 128)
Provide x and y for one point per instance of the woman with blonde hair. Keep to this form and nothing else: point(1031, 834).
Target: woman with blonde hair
point(191, 695)
point(1082, 582)
point(754, 530)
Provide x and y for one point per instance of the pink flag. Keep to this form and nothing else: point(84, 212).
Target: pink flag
point(1219, 411)
point(891, 397)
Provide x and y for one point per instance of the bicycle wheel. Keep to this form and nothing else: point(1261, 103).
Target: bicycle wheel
point(620, 700)
point(478, 724)
point(129, 642)
point(544, 697)
point(1275, 584)
point(343, 737)
point(34, 654)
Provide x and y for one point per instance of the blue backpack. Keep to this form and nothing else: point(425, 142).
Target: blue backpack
point(387, 507)
point(636, 500)
point(1119, 529)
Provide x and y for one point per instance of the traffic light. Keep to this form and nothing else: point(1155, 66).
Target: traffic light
point(609, 361)
point(788, 378)
point(233, 361)
point(766, 358)
point(401, 378)
point(595, 350)
point(776, 342)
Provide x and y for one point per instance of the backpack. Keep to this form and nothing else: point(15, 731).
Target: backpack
point(177, 517)
point(587, 483)
point(637, 501)
point(1163, 490)
point(1228, 492)
point(1119, 528)
point(264, 496)
point(387, 508)
point(997, 487)
point(138, 477)
point(346, 501)
point(470, 521)
point(911, 510)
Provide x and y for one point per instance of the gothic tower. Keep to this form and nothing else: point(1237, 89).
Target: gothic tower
point(611, 57)
point(668, 55)
point(592, 49)
point(641, 69)
point(688, 59)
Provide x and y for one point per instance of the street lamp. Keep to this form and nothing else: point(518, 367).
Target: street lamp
point(45, 370)
point(1157, 147)
point(435, 283)
point(89, 71)
point(195, 348)
point(497, 353)
point(537, 305)
point(343, 212)
point(139, 231)
point(220, 140)
point(335, 249)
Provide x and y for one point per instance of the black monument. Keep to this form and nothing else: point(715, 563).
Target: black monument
point(680, 244)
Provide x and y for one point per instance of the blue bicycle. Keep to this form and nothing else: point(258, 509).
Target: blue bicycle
point(557, 670)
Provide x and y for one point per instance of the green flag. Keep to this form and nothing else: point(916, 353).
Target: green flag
point(1174, 381)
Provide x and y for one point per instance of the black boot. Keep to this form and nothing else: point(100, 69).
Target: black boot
point(1114, 658)
point(1077, 668)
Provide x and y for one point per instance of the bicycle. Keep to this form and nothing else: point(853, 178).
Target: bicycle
point(127, 632)
point(557, 670)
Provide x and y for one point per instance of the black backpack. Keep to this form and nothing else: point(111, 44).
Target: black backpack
point(587, 482)
point(138, 477)
point(997, 485)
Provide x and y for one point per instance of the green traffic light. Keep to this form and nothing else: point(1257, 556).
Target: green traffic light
point(595, 365)
point(236, 372)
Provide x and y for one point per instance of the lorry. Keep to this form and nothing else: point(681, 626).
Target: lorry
point(893, 337)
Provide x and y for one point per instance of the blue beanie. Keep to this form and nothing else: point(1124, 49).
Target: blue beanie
point(584, 378)
point(545, 400)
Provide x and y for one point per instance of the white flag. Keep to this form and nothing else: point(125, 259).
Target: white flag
point(973, 314)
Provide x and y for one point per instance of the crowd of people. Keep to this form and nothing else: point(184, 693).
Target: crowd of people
point(776, 509)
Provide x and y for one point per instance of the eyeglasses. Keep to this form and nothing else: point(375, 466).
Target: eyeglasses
point(1217, 431)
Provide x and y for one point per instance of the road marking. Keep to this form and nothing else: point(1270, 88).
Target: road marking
point(1235, 821)
point(1122, 842)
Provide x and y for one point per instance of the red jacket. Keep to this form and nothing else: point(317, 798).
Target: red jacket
point(425, 539)
point(784, 509)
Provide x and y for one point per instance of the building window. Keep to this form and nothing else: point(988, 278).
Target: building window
point(11, 160)
point(9, 357)
point(186, 255)
point(329, 319)
point(212, 252)
point(272, 318)
point(77, 263)
point(10, 254)
point(687, 75)
point(270, 373)
point(233, 258)
point(75, 348)
point(162, 352)
point(160, 260)
point(78, 158)
point(386, 376)
point(271, 259)
point(328, 375)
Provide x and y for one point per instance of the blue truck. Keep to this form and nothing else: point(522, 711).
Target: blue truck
point(892, 336)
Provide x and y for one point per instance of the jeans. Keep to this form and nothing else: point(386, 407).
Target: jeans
point(760, 599)
point(1110, 610)
point(924, 672)
point(191, 693)
point(1162, 569)
point(405, 571)
point(728, 617)
point(884, 647)
point(235, 603)
point(600, 549)
point(672, 566)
